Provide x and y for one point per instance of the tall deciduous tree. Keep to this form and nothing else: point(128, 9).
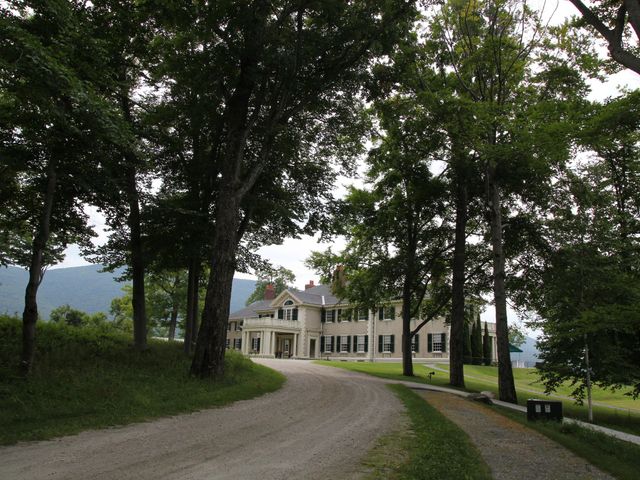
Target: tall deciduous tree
point(57, 128)
point(490, 48)
point(291, 65)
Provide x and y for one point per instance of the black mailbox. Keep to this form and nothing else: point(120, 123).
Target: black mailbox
point(543, 410)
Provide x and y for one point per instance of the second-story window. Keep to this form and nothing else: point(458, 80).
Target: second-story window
point(288, 311)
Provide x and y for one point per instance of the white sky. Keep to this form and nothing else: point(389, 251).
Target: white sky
point(293, 252)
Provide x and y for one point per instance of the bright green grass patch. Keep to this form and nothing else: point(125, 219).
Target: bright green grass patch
point(87, 378)
point(619, 458)
point(479, 379)
point(529, 379)
point(434, 447)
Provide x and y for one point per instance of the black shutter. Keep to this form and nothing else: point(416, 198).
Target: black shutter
point(355, 343)
point(429, 342)
point(379, 343)
point(294, 315)
point(323, 315)
point(258, 344)
point(381, 313)
point(444, 343)
point(322, 344)
point(366, 343)
point(349, 343)
point(239, 344)
point(280, 313)
point(393, 343)
point(416, 347)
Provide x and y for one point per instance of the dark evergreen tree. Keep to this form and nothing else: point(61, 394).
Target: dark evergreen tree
point(486, 346)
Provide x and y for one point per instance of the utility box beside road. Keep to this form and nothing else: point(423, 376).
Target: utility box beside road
point(543, 410)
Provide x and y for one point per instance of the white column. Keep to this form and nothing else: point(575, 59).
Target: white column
point(295, 344)
point(273, 343)
point(245, 337)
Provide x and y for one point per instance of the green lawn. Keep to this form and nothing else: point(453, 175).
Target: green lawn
point(418, 453)
point(88, 378)
point(485, 379)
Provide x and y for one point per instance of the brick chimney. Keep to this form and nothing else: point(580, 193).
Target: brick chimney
point(309, 285)
point(269, 292)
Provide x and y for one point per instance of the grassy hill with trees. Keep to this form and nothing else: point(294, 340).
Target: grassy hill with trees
point(91, 377)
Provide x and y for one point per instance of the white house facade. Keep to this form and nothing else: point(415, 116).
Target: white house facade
point(315, 324)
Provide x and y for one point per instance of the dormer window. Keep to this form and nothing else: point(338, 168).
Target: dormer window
point(288, 311)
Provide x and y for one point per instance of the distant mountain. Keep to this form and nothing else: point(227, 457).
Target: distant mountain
point(84, 288)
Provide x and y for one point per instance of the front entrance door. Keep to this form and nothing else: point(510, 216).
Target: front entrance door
point(286, 347)
point(312, 348)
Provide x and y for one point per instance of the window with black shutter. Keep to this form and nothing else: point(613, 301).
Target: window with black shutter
point(280, 313)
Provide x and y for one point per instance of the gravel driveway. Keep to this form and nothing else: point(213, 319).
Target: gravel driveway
point(512, 450)
point(319, 425)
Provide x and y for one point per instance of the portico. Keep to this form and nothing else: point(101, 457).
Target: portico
point(270, 337)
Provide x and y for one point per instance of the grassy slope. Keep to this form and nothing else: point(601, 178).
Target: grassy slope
point(628, 421)
point(88, 378)
point(434, 447)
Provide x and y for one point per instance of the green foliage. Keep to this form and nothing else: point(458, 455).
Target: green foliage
point(281, 279)
point(467, 351)
point(76, 318)
point(517, 336)
point(91, 377)
point(476, 342)
point(486, 346)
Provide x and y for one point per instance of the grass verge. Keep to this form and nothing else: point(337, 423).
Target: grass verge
point(626, 421)
point(620, 459)
point(86, 378)
point(433, 447)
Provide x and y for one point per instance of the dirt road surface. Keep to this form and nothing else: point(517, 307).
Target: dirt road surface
point(319, 425)
point(512, 450)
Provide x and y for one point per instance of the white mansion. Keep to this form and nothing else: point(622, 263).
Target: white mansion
point(316, 324)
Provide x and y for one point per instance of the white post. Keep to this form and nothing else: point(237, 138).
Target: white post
point(295, 345)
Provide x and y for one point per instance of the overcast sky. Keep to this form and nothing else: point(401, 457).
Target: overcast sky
point(293, 252)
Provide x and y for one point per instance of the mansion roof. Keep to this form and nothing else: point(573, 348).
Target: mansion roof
point(319, 295)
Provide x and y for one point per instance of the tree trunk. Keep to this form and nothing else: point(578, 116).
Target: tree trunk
point(137, 261)
point(506, 386)
point(208, 359)
point(190, 330)
point(30, 313)
point(456, 345)
point(173, 321)
point(407, 359)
